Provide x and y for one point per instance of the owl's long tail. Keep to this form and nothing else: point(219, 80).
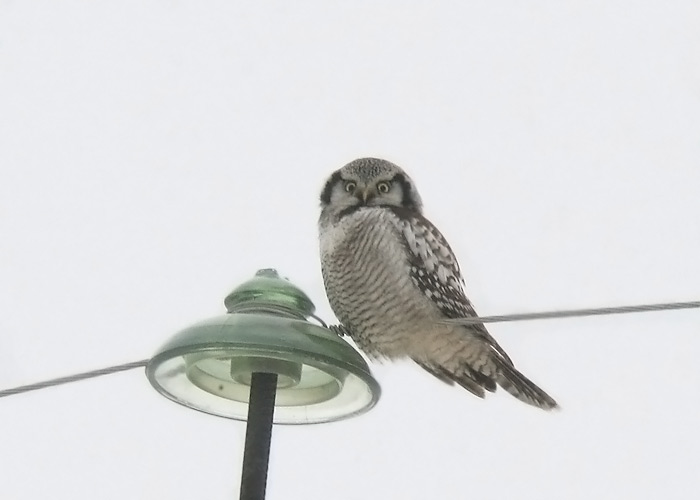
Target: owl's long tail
point(518, 385)
point(502, 372)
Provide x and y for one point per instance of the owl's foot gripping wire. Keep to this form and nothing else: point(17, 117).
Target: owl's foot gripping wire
point(340, 330)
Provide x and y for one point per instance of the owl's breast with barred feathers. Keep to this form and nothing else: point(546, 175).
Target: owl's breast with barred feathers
point(370, 286)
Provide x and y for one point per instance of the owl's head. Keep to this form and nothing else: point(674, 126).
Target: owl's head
point(369, 182)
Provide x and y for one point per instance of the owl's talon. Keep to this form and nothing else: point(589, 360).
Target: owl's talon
point(340, 330)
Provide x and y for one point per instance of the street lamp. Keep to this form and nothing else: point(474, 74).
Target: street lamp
point(264, 362)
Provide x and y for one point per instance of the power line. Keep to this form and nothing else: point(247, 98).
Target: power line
point(575, 313)
point(73, 378)
point(341, 330)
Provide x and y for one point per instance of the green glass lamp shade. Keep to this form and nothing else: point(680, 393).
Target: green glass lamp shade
point(208, 366)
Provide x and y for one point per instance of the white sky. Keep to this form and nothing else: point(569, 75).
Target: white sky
point(154, 155)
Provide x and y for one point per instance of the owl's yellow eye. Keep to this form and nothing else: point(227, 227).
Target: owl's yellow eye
point(383, 187)
point(350, 186)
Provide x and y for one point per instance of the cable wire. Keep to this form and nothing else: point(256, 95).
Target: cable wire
point(73, 378)
point(574, 313)
point(340, 330)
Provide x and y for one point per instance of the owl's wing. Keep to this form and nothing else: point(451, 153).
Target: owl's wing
point(435, 271)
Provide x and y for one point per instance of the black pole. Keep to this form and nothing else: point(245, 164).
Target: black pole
point(261, 408)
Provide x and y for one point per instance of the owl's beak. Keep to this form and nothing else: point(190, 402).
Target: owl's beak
point(367, 194)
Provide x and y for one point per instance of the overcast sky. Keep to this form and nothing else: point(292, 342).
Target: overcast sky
point(154, 155)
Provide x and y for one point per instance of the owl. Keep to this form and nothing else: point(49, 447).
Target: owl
point(395, 285)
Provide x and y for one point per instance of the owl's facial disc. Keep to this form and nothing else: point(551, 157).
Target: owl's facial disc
point(369, 182)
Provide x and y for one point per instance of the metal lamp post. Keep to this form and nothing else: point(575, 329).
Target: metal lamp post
point(264, 362)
